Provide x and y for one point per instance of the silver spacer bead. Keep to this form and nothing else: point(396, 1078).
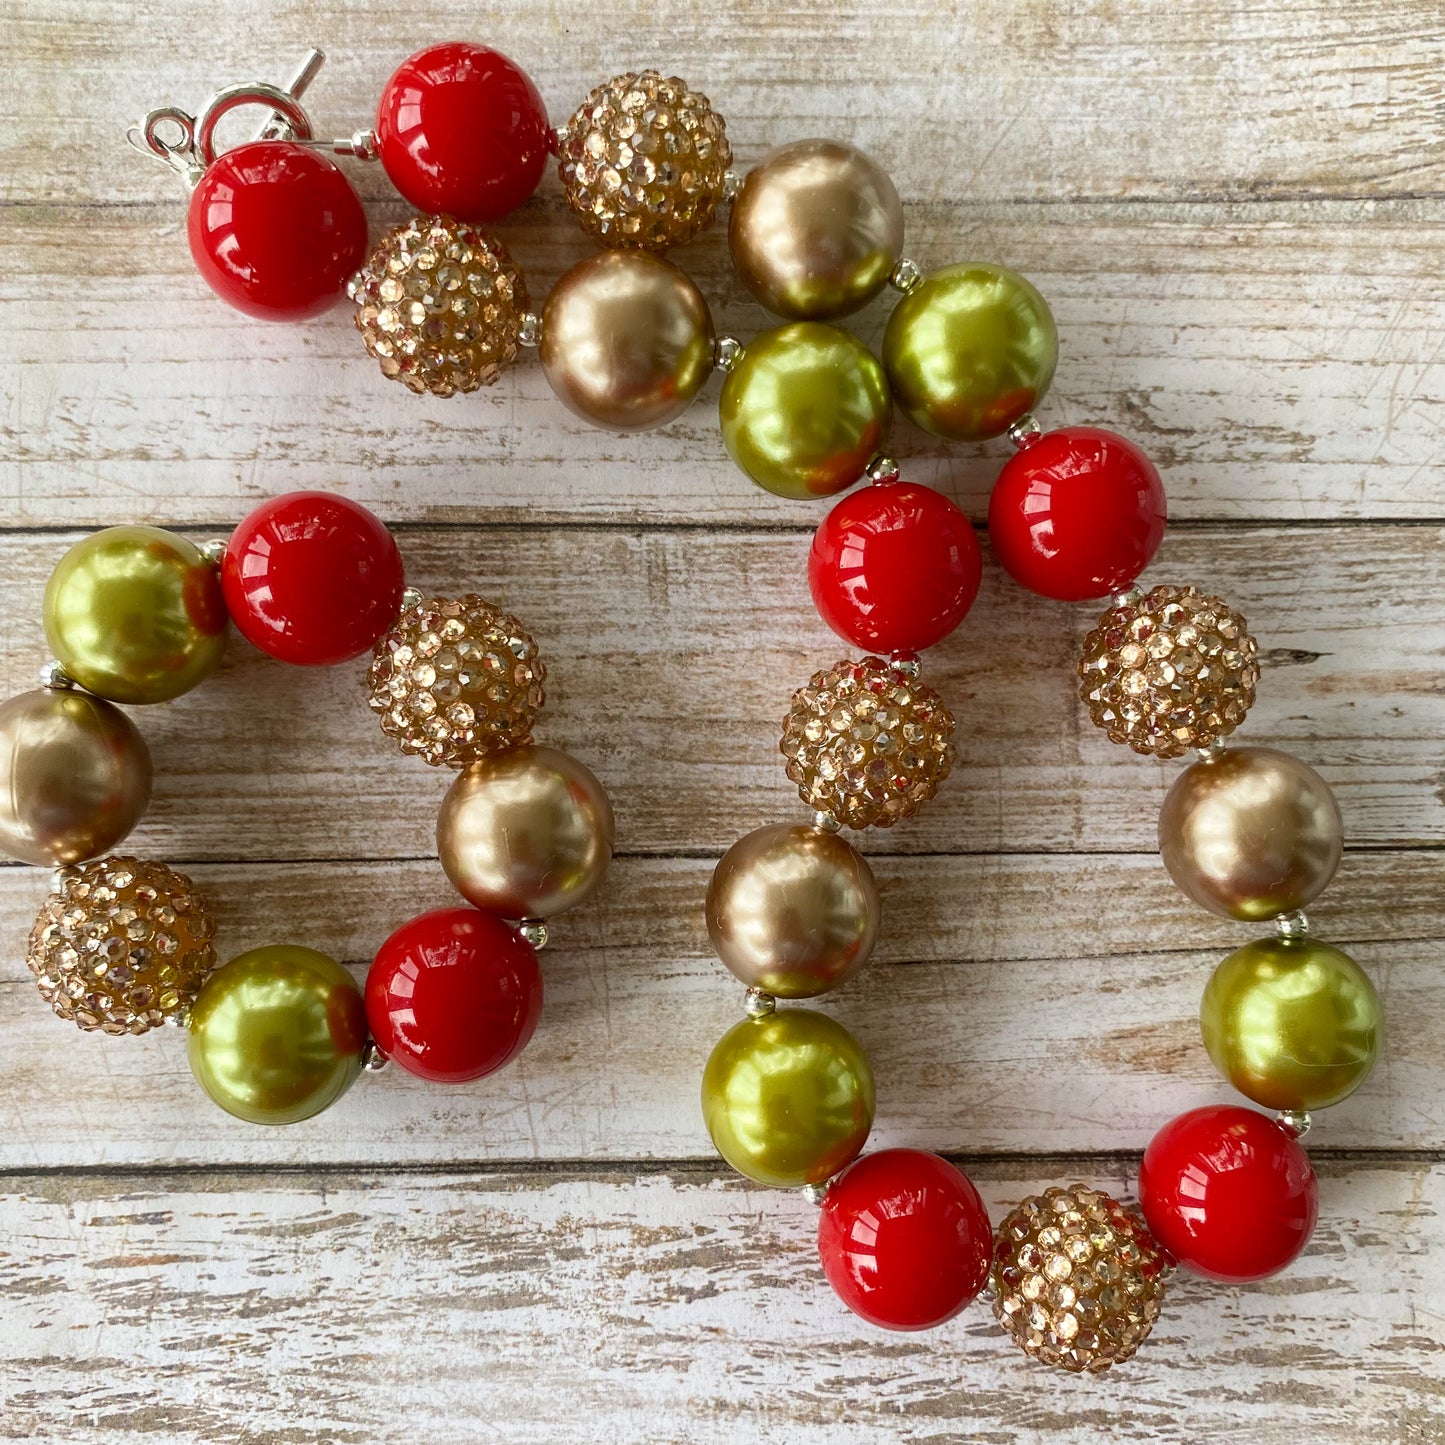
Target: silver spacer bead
point(1292, 925)
point(1126, 597)
point(411, 597)
point(906, 664)
point(534, 931)
point(826, 822)
point(1025, 431)
point(529, 329)
point(1211, 752)
point(363, 145)
point(732, 184)
point(817, 1193)
point(54, 676)
point(727, 351)
point(905, 276)
point(881, 469)
point(181, 1019)
point(213, 551)
point(354, 283)
point(758, 1004)
point(59, 877)
point(987, 1294)
point(1297, 1121)
point(373, 1061)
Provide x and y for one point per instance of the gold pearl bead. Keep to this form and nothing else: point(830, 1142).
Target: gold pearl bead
point(526, 833)
point(816, 230)
point(1251, 834)
point(626, 341)
point(643, 161)
point(439, 305)
point(76, 776)
point(793, 910)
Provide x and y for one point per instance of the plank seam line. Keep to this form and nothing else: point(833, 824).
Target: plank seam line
point(711, 855)
point(1049, 1160)
point(550, 205)
point(751, 528)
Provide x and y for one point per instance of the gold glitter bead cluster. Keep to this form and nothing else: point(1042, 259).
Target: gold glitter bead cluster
point(439, 305)
point(1173, 671)
point(121, 945)
point(456, 680)
point(643, 161)
point(1077, 1279)
point(866, 744)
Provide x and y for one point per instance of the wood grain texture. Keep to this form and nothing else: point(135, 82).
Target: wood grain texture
point(1280, 361)
point(1237, 211)
point(228, 1310)
point(1012, 1010)
point(672, 655)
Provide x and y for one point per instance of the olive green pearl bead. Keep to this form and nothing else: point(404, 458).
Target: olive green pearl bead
point(970, 350)
point(788, 1098)
point(135, 614)
point(277, 1034)
point(804, 410)
point(1291, 1022)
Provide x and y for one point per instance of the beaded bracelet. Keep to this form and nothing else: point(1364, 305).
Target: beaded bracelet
point(138, 615)
point(626, 341)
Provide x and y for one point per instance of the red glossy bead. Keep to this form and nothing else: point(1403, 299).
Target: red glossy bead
point(276, 230)
point(1229, 1193)
point(312, 578)
point(462, 131)
point(904, 1239)
point(1077, 514)
point(894, 567)
point(454, 995)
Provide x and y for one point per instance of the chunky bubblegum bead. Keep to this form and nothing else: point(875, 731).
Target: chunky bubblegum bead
point(894, 567)
point(1077, 514)
point(1077, 1279)
point(1229, 1193)
point(276, 230)
point(454, 995)
point(904, 1239)
point(312, 578)
point(462, 132)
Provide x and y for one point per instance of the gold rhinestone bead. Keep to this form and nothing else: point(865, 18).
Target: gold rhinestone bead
point(643, 161)
point(456, 680)
point(866, 744)
point(121, 945)
point(1172, 670)
point(439, 305)
point(1077, 1279)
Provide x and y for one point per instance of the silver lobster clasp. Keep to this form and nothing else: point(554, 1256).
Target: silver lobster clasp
point(187, 143)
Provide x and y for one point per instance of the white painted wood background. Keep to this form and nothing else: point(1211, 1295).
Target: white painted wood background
point(1237, 210)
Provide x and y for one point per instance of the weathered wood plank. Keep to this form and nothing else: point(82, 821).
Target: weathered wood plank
point(1278, 362)
point(1018, 1004)
point(1016, 101)
point(672, 1308)
point(1236, 210)
point(672, 656)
